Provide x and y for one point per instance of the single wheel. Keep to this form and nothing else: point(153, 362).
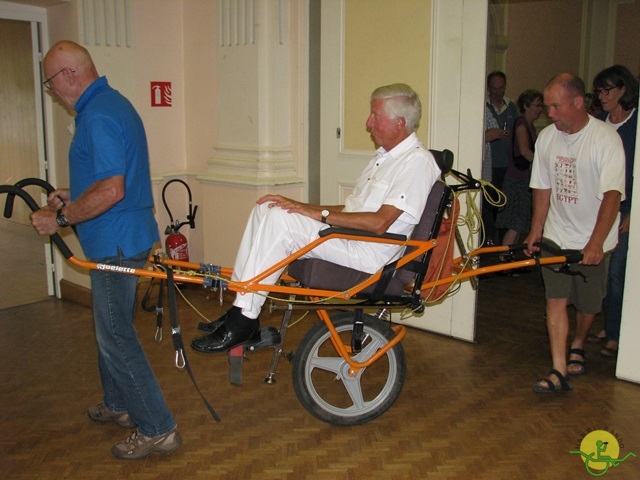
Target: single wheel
point(321, 377)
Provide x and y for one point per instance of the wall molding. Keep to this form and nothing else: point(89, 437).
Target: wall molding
point(236, 22)
point(269, 165)
point(106, 23)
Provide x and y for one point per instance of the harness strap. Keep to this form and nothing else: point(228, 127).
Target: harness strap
point(176, 335)
point(158, 308)
point(381, 286)
point(416, 267)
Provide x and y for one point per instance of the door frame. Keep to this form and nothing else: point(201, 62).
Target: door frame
point(37, 16)
point(456, 99)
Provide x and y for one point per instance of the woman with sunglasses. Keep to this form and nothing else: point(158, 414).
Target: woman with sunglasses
point(617, 91)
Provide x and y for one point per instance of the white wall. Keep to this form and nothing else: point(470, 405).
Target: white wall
point(628, 367)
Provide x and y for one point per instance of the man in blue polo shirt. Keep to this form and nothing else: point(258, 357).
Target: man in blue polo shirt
point(111, 204)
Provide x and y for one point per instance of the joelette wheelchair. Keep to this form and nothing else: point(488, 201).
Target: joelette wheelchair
point(350, 367)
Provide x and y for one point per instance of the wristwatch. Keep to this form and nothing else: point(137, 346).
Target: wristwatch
point(325, 213)
point(62, 219)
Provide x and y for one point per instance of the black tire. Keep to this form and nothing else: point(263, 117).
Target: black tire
point(351, 401)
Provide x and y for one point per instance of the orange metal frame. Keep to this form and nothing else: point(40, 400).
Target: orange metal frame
point(195, 273)
point(318, 296)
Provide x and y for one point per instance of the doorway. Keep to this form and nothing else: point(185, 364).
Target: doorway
point(452, 119)
point(23, 261)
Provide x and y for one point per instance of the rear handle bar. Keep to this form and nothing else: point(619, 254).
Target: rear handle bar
point(13, 190)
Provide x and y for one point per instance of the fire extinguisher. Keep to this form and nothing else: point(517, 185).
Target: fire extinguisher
point(176, 243)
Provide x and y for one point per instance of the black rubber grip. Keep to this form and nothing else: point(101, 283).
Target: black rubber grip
point(12, 191)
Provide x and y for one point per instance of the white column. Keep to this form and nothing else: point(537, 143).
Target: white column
point(260, 106)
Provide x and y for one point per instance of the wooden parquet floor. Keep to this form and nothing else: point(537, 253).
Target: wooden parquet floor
point(466, 412)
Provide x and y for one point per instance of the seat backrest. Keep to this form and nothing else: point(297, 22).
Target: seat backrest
point(428, 226)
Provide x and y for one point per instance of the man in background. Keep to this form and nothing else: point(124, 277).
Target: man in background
point(500, 114)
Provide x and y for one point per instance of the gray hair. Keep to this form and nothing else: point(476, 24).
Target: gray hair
point(401, 101)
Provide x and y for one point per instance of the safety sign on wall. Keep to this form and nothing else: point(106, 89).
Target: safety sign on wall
point(160, 94)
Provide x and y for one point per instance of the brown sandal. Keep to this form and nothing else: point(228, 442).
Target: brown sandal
point(549, 387)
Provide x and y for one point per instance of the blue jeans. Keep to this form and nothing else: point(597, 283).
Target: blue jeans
point(128, 381)
point(615, 288)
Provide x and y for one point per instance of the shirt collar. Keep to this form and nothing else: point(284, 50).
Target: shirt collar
point(99, 84)
point(402, 147)
point(506, 103)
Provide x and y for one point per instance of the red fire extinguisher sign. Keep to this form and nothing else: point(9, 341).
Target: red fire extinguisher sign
point(160, 94)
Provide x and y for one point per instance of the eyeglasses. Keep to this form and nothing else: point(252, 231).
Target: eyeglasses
point(47, 82)
point(604, 91)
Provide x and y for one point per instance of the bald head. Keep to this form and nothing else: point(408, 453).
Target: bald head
point(71, 70)
point(564, 98)
point(571, 83)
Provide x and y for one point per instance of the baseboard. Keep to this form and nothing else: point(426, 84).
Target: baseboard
point(75, 293)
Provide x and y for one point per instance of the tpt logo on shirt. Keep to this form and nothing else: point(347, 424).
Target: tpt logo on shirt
point(565, 174)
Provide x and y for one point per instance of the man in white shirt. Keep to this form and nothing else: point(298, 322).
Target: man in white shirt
point(389, 196)
point(578, 182)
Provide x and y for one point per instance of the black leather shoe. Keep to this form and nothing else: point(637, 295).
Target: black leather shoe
point(238, 330)
point(213, 326)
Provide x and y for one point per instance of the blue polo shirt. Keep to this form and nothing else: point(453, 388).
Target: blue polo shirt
point(110, 140)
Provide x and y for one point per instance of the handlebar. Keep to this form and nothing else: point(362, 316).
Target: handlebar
point(13, 190)
point(8, 206)
point(571, 255)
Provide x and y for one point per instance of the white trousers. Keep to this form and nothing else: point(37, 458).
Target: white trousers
point(272, 234)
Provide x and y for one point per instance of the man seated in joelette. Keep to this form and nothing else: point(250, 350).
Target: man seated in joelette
point(389, 196)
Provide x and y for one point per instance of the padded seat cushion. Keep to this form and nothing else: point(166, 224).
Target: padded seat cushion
point(317, 273)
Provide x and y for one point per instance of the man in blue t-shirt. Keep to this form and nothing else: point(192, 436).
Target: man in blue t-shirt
point(111, 204)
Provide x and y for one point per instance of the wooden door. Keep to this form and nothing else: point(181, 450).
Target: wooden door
point(18, 125)
point(450, 107)
point(26, 257)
